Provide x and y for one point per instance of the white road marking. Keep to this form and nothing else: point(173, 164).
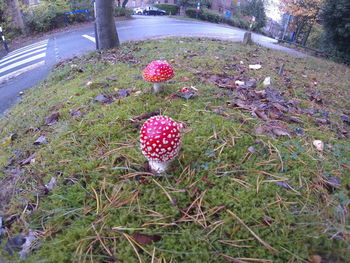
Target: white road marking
point(90, 38)
point(22, 56)
point(24, 61)
point(20, 53)
point(20, 71)
point(28, 47)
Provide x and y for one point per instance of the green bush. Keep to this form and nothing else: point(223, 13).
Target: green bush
point(205, 14)
point(169, 9)
point(41, 18)
point(120, 11)
point(314, 40)
point(238, 22)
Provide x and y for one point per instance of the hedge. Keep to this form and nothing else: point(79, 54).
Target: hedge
point(205, 14)
point(169, 9)
point(120, 11)
point(211, 16)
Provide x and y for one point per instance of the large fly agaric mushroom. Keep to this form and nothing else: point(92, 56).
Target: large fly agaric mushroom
point(158, 72)
point(160, 141)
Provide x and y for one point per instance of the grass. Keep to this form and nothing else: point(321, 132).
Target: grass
point(221, 203)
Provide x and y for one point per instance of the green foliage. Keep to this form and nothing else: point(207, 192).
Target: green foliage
point(80, 4)
point(314, 39)
point(212, 16)
point(255, 8)
point(50, 14)
point(44, 17)
point(170, 9)
point(205, 14)
point(193, 3)
point(336, 22)
point(120, 11)
point(6, 22)
point(238, 21)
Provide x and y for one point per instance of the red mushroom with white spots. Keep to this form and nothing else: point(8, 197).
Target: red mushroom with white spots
point(160, 141)
point(158, 72)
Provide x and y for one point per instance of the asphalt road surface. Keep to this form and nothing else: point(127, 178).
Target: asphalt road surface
point(25, 67)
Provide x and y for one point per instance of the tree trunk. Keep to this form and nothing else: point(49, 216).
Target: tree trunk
point(299, 29)
point(17, 15)
point(306, 36)
point(124, 3)
point(106, 31)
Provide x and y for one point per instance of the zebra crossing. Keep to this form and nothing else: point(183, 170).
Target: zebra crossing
point(22, 60)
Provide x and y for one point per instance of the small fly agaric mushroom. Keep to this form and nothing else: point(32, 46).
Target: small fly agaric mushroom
point(158, 72)
point(160, 141)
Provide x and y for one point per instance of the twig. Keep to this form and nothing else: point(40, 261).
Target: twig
point(231, 259)
point(273, 250)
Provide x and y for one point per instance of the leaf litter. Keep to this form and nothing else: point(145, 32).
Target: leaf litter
point(113, 198)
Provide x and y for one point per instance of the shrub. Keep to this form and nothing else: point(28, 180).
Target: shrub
point(170, 9)
point(120, 11)
point(43, 18)
point(205, 14)
point(239, 22)
point(314, 39)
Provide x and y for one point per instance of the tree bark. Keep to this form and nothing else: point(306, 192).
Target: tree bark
point(306, 36)
point(106, 31)
point(124, 3)
point(17, 15)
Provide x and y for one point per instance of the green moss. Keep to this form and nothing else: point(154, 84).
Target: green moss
point(214, 172)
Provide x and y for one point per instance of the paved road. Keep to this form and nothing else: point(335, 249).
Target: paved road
point(25, 67)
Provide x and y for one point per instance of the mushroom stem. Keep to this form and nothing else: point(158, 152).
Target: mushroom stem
point(157, 87)
point(158, 167)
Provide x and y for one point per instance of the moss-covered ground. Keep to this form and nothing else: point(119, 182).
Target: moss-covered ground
point(232, 195)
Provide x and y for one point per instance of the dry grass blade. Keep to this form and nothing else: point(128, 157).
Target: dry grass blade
point(231, 259)
point(256, 260)
point(273, 250)
point(101, 241)
point(133, 246)
point(166, 193)
point(97, 200)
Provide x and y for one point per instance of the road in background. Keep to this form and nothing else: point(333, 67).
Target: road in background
point(25, 67)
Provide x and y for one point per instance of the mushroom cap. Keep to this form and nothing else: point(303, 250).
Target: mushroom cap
point(160, 139)
point(158, 71)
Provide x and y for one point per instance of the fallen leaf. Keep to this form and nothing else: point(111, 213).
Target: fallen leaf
point(345, 119)
point(319, 145)
point(255, 67)
point(144, 239)
point(332, 183)
point(146, 115)
point(239, 83)
point(15, 244)
point(52, 119)
point(322, 121)
point(284, 184)
point(104, 99)
point(251, 149)
point(281, 132)
point(50, 186)
point(5, 142)
point(75, 113)
point(267, 82)
point(29, 160)
point(41, 140)
point(123, 93)
point(27, 246)
point(315, 259)
point(111, 79)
